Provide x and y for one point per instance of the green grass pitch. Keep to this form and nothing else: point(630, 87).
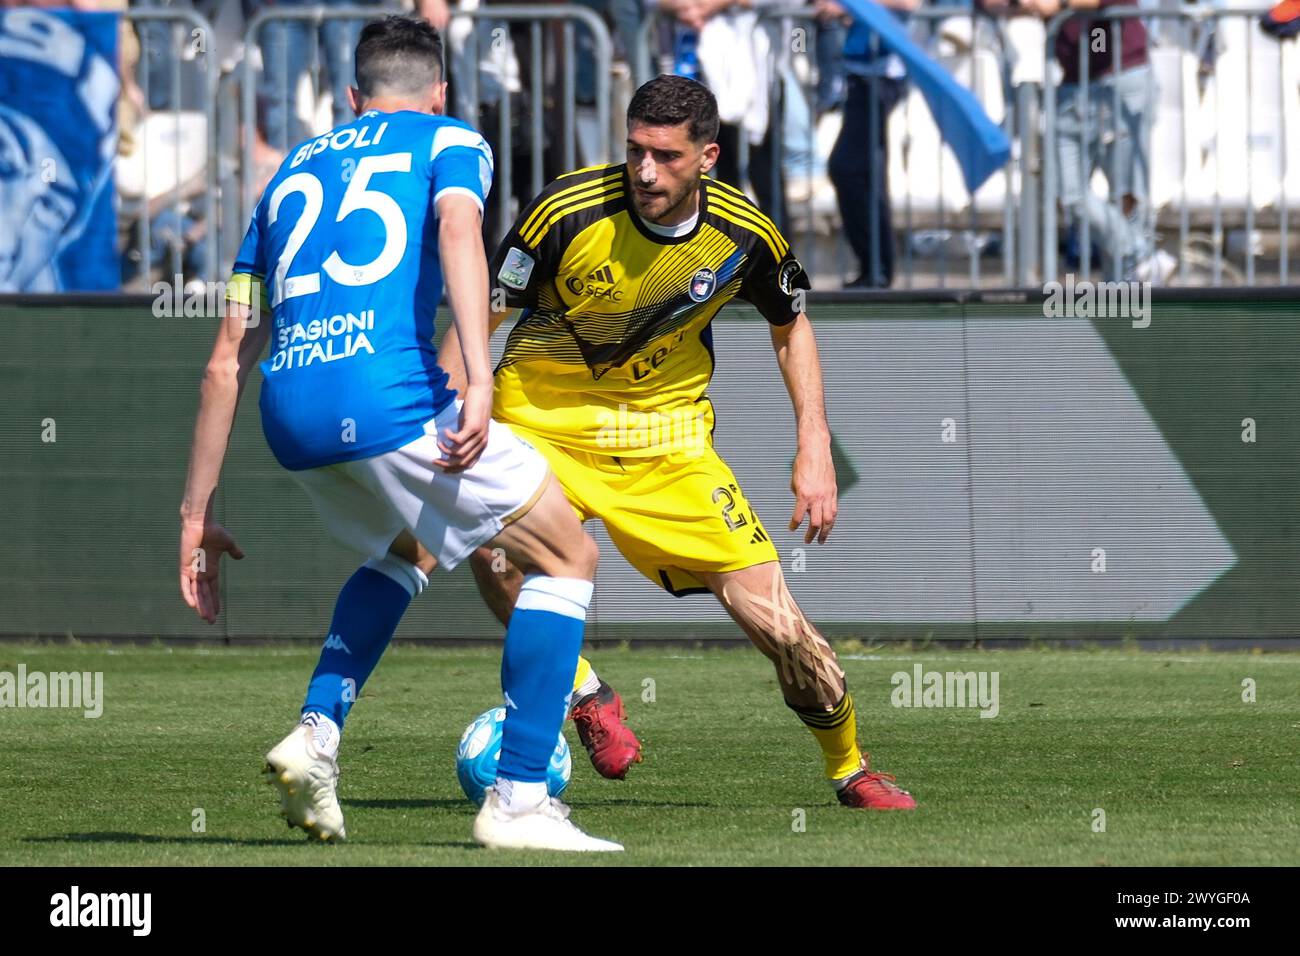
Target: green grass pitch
point(1186, 772)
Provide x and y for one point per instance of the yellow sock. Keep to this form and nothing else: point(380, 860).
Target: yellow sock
point(837, 734)
point(584, 671)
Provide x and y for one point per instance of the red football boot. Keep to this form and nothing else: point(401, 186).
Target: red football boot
point(867, 790)
point(610, 743)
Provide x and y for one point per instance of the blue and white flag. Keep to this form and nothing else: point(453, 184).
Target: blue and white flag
point(58, 139)
point(980, 145)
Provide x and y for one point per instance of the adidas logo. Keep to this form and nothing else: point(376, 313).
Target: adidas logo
point(759, 536)
point(335, 643)
point(604, 275)
point(599, 284)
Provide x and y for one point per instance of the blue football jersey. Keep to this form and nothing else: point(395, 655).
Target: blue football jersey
point(345, 245)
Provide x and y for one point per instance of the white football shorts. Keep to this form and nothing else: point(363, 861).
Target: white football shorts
point(366, 503)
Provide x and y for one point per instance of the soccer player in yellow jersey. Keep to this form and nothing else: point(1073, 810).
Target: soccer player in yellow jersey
point(619, 271)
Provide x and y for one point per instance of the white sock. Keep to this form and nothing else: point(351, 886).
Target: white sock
point(325, 734)
point(589, 686)
point(518, 797)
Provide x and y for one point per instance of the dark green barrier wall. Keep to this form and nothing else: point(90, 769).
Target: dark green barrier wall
point(991, 459)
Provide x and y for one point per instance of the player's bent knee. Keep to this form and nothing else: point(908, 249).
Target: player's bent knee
point(579, 557)
point(587, 557)
point(575, 557)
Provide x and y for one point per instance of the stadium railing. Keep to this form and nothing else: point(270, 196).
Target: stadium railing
point(1230, 96)
point(946, 233)
point(483, 61)
point(1223, 129)
point(1224, 123)
point(175, 164)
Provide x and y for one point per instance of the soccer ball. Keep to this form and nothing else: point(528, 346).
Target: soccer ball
point(480, 750)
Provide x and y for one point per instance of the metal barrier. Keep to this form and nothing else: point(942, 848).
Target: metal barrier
point(922, 145)
point(487, 26)
point(232, 224)
point(1239, 154)
point(930, 223)
point(198, 46)
point(278, 19)
point(489, 36)
point(1225, 196)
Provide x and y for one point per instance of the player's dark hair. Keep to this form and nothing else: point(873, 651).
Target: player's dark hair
point(672, 100)
point(398, 55)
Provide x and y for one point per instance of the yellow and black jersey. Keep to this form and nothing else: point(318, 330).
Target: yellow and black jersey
point(614, 351)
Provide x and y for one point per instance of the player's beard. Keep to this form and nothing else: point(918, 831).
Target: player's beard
point(677, 206)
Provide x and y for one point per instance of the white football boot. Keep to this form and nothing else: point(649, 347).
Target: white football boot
point(546, 828)
point(307, 781)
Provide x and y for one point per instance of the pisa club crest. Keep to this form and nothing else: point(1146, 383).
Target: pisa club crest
point(702, 284)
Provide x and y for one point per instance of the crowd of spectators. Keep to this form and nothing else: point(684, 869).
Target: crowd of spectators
point(1103, 122)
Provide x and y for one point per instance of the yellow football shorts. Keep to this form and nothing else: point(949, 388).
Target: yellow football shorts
point(669, 515)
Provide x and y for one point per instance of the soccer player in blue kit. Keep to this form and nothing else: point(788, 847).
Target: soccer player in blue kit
point(348, 248)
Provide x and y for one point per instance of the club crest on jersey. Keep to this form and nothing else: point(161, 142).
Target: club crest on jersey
point(702, 285)
point(517, 268)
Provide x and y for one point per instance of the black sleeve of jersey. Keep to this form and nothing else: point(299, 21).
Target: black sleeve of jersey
point(519, 269)
point(774, 287)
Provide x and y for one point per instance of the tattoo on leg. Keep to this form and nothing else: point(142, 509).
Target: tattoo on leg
point(805, 662)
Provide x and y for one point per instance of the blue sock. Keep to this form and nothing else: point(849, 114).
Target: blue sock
point(541, 655)
point(367, 613)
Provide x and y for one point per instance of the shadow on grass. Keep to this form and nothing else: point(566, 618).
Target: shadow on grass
point(388, 804)
point(113, 837)
point(598, 804)
point(150, 838)
point(463, 804)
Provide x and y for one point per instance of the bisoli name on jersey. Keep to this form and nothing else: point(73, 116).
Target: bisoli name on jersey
point(349, 137)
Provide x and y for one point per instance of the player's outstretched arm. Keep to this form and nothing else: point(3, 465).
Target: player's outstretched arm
point(813, 479)
point(465, 273)
point(239, 344)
